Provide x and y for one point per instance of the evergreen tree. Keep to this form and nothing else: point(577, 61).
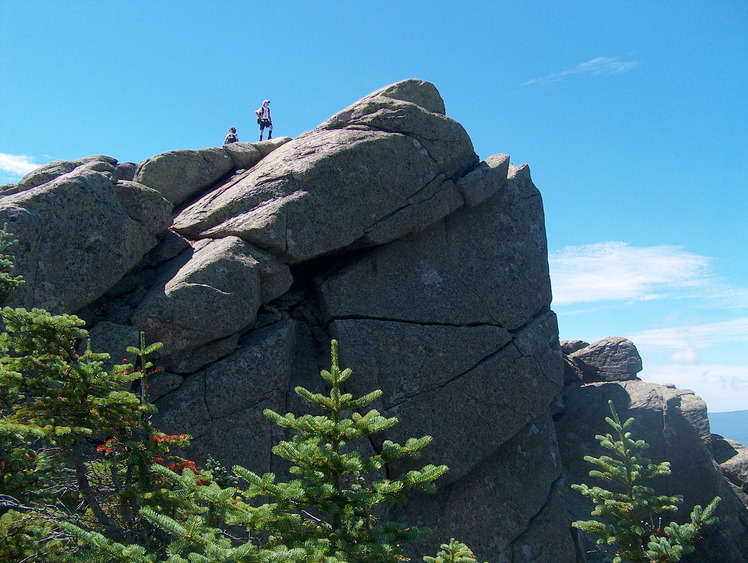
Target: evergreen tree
point(328, 512)
point(75, 445)
point(338, 488)
point(629, 525)
point(453, 552)
point(8, 281)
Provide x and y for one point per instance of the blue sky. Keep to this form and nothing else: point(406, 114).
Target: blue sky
point(632, 116)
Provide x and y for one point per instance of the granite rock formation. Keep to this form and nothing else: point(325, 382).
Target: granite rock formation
point(380, 228)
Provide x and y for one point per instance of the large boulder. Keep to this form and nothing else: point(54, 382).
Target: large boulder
point(181, 174)
point(78, 235)
point(413, 108)
point(215, 294)
point(145, 205)
point(611, 359)
point(488, 178)
point(377, 171)
point(571, 346)
point(198, 309)
point(125, 171)
point(266, 147)
point(49, 172)
point(244, 155)
point(419, 92)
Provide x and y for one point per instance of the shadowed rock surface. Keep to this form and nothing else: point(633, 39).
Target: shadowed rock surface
point(382, 229)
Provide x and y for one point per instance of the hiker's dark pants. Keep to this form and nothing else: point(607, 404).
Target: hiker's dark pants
point(266, 123)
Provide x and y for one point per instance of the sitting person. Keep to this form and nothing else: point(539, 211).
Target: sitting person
point(232, 137)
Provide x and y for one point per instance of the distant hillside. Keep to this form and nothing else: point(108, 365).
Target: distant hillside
point(732, 425)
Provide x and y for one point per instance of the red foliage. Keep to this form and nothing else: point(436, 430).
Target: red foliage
point(180, 466)
point(107, 447)
point(169, 438)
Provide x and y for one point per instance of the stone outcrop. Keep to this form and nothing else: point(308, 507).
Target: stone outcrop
point(198, 170)
point(380, 228)
point(732, 458)
point(610, 359)
point(214, 295)
point(49, 172)
point(70, 259)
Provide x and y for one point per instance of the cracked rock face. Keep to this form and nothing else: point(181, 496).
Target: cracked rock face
point(521, 484)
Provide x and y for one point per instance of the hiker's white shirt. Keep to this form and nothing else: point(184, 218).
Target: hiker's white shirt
point(264, 113)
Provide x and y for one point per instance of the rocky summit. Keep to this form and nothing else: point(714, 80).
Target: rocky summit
point(383, 229)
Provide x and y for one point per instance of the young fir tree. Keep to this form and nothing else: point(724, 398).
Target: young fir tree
point(77, 446)
point(627, 526)
point(338, 488)
point(326, 513)
point(56, 404)
point(453, 552)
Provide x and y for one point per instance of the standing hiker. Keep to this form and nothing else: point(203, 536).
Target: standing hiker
point(232, 137)
point(264, 120)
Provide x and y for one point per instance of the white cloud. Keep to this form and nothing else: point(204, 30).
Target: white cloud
point(616, 271)
point(723, 387)
point(683, 342)
point(596, 67)
point(725, 296)
point(707, 334)
point(687, 355)
point(16, 165)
